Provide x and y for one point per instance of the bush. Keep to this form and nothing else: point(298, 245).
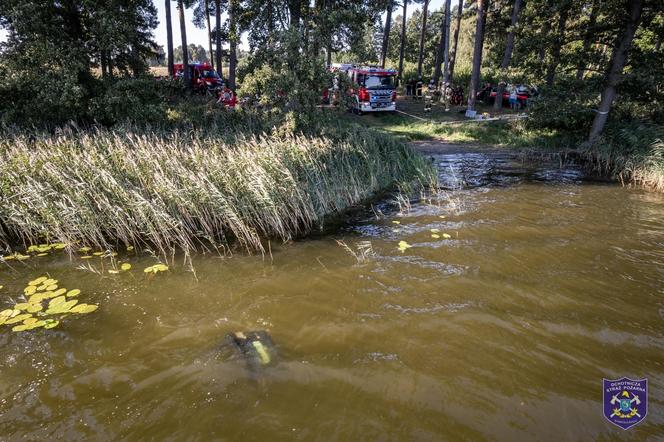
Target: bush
point(136, 100)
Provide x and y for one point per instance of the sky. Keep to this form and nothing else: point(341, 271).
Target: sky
point(199, 36)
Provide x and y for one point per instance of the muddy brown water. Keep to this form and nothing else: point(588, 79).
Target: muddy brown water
point(504, 331)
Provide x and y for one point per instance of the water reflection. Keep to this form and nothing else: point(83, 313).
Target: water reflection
point(504, 331)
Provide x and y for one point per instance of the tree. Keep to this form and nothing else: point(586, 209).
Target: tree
point(420, 58)
point(456, 39)
point(507, 56)
point(233, 37)
point(587, 39)
point(477, 53)
point(217, 35)
point(634, 9)
point(169, 38)
point(442, 54)
point(558, 41)
point(386, 33)
point(183, 34)
point(403, 38)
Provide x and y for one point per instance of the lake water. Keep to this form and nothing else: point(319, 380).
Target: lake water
point(503, 331)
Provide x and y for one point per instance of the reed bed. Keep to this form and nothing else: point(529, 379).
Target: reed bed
point(190, 191)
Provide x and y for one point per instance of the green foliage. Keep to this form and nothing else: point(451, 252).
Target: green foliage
point(190, 189)
point(129, 99)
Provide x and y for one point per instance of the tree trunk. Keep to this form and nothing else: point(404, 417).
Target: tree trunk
point(209, 30)
point(169, 39)
point(587, 39)
point(102, 61)
point(232, 37)
point(109, 57)
point(403, 40)
point(441, 53)
point(295, 11)
point(456, 40)
point(477, 54)
point(546, 28)
point(185, 49)
point(507, 56)
point(217, 37)
point(328, 50)
point(614, 73)
point(423, 31)
point(386, 34)
point(558, 43)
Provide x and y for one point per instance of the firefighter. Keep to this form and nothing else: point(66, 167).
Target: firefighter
point(418, 88)
point(428, 96)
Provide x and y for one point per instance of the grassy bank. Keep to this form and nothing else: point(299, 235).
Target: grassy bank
point(190, 190)
point(632, 153)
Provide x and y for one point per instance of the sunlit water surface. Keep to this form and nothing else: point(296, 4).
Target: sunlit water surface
point(548, 284)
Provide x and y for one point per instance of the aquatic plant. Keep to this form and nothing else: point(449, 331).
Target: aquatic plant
point(189, 190)
point(45, 306)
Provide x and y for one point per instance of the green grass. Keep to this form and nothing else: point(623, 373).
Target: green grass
point(190, 190)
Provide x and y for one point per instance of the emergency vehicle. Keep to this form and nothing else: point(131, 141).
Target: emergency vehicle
point(374, 89)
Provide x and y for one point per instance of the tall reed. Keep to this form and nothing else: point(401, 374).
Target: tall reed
point(189, 191)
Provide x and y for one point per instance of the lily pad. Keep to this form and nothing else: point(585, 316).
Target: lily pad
point(74, 292)
point(38, 281)
point(84, 308)
point(20, 328)
point(56, 301)
point(59, 292)
point(22, 306)
point(52, 287)
point(29, 290)
point(84, 249)
point(50, 282)
point(18, 318)
point(447, 236)
point(34, 308)
point(51, 324)
point(6, 313)
point(125, 266)
point(30, 321)
point(433, 235)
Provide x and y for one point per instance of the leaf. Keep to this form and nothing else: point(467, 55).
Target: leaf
point(59, 292)
point(56, 301)
point(433, 235)
point(84, 249)
point(435, 230)
point(114, 272)
point(42, 254)
point(161, 267)
point(30, 321)
point(59, 246)
point(50, 282)
point(52, 287)
point(125, 266)
point(86, 257)
point(74, 292)
point(130, 248)
point(396, 222)
point(22, 306)
point(38, 281)
point(447, 236)
point(19, 328)
point(52, 324)
point(98, 253)
point(441, 216)
point(18, 318)
point(6, 313)
point(34, 308)
point(29, 290)
point(84, 308)
point(403, 245)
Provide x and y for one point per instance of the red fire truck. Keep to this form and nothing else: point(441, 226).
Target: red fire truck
point(203, 77)
point(374, 89)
